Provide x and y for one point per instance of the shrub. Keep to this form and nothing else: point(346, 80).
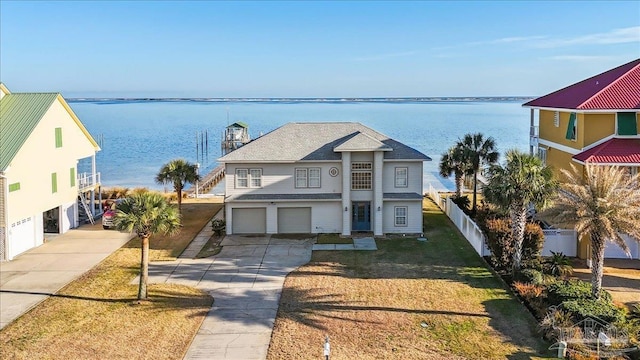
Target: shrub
point(532, 276)
point(555, 319)
point(218, 226)
point(500, 242)
point(558, 264)
point(600, 308)
point(568, 290)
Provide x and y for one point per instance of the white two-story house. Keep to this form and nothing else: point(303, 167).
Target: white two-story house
point(41, 191)
point(324, 178)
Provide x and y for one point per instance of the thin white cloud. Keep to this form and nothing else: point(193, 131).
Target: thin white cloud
point(385, 56)
point(615, 36)
point(580, 58)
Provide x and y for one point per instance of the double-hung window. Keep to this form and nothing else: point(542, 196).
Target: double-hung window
point(402, 177)
point(307, 177)
point(400, 213)
point(248, 178)
point(361, 176)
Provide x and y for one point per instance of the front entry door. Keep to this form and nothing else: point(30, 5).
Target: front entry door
point(361, 216)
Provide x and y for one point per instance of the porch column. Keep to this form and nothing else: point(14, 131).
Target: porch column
point(531, 133)
point(377, 193)
point(346, 194)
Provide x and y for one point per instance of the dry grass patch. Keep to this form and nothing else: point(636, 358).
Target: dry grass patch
point(408, 300)
point(97, 316)
point(333, 239)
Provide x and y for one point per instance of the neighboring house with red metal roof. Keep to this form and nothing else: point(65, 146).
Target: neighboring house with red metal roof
point(593, 121)
point(41, 142)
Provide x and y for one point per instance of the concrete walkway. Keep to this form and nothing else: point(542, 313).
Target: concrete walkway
point(34, 275)
point(365, 243)
point(245, 280)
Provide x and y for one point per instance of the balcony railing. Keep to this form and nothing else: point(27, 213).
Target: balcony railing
point(88, 182)
point(534, 135)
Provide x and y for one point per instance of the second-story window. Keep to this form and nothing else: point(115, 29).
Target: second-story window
point(248, 178)
point(307, 177)
point(402, 177)
point(361, 176)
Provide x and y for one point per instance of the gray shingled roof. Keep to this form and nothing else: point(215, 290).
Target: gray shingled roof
point(401, 196)
point(362, 142)
point(300, 196)
point(316, 141)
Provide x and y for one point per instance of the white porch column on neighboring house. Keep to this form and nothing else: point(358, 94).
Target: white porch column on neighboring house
point(378, 157)
point(346, 193)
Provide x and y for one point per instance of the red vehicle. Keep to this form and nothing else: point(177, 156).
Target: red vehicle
point(109, 208)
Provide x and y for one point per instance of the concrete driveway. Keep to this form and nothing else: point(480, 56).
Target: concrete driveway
point(245, 280)
point(40, 272)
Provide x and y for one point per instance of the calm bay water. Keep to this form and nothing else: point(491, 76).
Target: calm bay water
point(141, 136)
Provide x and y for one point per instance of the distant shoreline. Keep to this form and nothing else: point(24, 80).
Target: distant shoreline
point(431, 99)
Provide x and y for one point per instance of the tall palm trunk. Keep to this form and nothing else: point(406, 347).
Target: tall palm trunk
point(597, 264)
point(144, 268)
point(179, 193)
point(518, 224)
point(459, 183)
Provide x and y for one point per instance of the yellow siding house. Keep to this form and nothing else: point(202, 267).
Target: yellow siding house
point(41, 192)
point(593, 121)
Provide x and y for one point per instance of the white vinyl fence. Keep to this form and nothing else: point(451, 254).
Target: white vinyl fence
point(556, 240)
point(467, 227)
point(560, 240)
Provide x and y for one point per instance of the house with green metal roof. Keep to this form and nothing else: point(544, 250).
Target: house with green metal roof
point(41, 191)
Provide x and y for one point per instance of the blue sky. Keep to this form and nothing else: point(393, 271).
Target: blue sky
point(311, 49)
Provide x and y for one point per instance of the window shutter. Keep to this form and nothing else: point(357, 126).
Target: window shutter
point(54, 183)
point(72, 176)
point(571, 134)
point(627, 124)
point(58, 137)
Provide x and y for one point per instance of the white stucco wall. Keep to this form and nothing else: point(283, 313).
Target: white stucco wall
point(414, 181)
point(414, 221)
point(280, 178)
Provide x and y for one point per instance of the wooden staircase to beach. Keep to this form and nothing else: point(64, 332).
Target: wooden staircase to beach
point(207, 182)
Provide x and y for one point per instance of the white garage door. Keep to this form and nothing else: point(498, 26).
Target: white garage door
point(249, 221)
point(22, 236)
point(294, 220)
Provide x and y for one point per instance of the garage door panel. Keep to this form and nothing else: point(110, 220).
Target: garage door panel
point(249, 220)
point(294, 220)
point(21, 237)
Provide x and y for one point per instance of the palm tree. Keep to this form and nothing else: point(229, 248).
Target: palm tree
point(523, 180)
point(601, 205)
point(146, 214)
point(179, 173)
point(454, 162)
point(478, 151)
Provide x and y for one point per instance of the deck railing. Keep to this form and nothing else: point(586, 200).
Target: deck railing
point(88, 181)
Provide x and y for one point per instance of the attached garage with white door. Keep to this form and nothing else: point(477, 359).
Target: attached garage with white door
point(249, 220)
point(294, 220)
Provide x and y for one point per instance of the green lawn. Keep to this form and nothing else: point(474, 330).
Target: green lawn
point(408, 300)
